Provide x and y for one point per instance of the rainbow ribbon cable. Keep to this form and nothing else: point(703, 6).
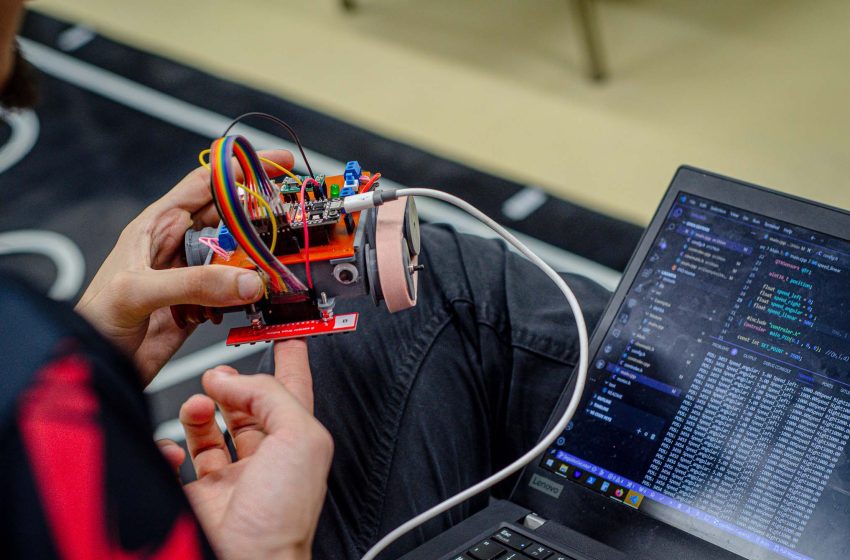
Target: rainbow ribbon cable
point(235, 213)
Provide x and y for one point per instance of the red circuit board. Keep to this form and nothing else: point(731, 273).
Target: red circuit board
point(249, 335)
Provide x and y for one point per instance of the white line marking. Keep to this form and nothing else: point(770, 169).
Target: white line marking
point(66, 256)
point(189, 366)
point(524, 203)
point(150, 101)
point(75, 37)
point(25, 129)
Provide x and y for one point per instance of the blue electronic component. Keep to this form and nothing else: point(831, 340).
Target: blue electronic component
point(225, 239)
point(352, 174)
point(348, 190)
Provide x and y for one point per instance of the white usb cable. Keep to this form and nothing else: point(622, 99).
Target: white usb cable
point(378, 197)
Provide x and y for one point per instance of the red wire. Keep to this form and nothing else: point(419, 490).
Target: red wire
point(306, 230)
point(370, 182)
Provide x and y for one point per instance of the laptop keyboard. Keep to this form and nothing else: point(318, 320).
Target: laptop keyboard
point(509, 545)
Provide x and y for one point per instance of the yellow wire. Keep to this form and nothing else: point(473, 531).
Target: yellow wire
point(256, 195)
point(281, 168)
point(201, 159)
point(264, 160)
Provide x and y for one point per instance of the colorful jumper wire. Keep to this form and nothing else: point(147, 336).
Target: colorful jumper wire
point(260, 198)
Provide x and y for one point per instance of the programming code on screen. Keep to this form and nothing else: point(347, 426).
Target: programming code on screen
point(723, 384)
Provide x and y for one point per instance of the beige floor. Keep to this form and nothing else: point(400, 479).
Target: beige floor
point(757, 89)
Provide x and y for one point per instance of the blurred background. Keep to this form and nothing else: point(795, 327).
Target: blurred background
point(563, 119)
point(756, 89)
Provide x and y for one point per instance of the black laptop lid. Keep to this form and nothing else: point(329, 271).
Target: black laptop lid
point(718, 397)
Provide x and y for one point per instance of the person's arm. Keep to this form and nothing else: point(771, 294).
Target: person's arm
point(267, 503)
point(128, 301)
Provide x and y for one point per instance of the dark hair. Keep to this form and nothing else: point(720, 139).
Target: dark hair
point(21, 89)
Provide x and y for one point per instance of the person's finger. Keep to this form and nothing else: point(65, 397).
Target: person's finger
point(206, 217)
point(261, 397)
point(292, 369)
point(204, 438)
point(163, 338)
point(245, 431)
point(173, 453)
point(193, 192)
point(283, 158)
point(140, 293)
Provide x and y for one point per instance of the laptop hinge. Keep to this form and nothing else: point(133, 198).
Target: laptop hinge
point(533, 521)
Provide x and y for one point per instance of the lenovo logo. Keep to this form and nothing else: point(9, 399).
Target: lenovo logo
point(546, 486)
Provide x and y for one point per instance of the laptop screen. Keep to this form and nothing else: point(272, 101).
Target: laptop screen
point(719, 399)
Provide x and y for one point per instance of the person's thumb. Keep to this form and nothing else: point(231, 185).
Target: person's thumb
point(211, 286)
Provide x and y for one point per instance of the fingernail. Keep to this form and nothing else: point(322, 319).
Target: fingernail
point(249, 285)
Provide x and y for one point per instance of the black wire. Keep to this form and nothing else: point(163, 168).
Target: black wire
point(276, 121)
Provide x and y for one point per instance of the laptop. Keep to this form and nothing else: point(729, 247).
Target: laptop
point(716, 416)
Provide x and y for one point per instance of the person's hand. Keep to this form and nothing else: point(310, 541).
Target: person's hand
point(130, 297)
point(266, 504)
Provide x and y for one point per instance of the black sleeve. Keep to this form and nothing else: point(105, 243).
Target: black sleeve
point(80, 476)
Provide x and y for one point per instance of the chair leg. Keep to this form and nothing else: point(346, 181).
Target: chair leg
point(588, 25)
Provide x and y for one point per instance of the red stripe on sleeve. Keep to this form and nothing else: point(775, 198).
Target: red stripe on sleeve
point(58, 419)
